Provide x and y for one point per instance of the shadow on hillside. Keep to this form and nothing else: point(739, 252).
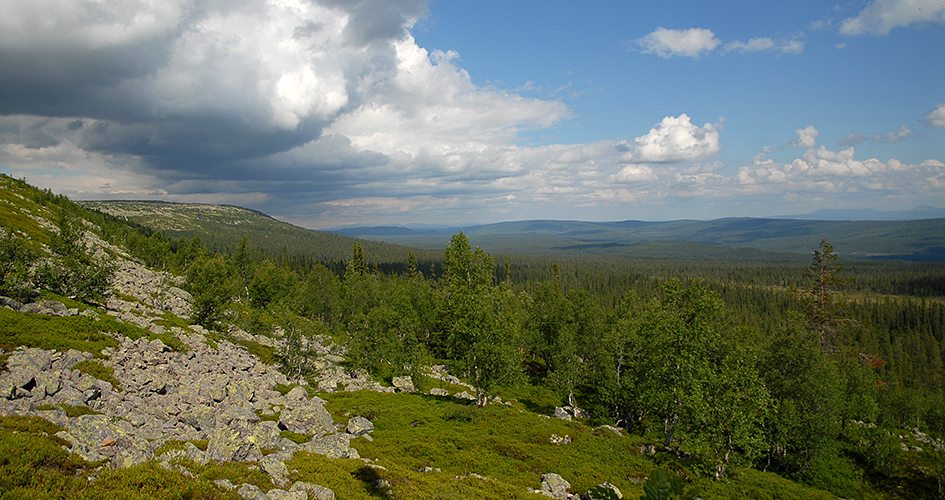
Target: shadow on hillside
point(374, 483)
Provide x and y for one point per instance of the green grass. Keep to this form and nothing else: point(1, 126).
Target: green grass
point(69, 410)
point(74, 332)
point(96, 369)
point(59, 333)
point(34, 465)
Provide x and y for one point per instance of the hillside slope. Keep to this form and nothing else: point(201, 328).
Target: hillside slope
point(121, 396)
point(222, 227)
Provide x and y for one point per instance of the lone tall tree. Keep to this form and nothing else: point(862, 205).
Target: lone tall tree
point(825, 308)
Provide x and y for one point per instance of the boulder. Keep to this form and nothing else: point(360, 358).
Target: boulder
point(313, 490)
point(464, 395)
point(436, 391)
point(403, 384)
point(562, 414)
point(278, 494)
point(298, 393)
point(310, 418)
point(50, 380)
point(199, 417)
point(554, 486)
point(266, 434)
point(240, 391)
point(358, 426)
point(603, 491)
point(332, 446)
point(251, 492)
point(229, 444)
point(276, 470)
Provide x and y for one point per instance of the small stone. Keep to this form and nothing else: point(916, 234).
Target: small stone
point(225, 484)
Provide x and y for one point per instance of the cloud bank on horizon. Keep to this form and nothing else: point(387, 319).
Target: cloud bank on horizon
point(327, 113)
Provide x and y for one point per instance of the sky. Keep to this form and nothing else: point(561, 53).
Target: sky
point(333, 113)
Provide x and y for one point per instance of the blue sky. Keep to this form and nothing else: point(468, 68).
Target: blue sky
point(328, 113)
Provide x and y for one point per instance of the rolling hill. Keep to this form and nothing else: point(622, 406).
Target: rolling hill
point(222, 227)
point(920, 240)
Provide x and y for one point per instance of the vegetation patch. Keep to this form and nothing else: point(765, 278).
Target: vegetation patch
point(96, 369)
point(33, 464)
point(59, 333)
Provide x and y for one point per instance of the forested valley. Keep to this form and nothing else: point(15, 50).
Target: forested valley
point(811, 369)
point(802, 369)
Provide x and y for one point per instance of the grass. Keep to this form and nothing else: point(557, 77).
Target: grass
point(34, 465)
point(73, 332)
point(59, 333)
point(96, 369)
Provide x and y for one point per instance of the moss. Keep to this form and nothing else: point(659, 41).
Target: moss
point(78, 411)
point(33, 464)
point(96, 369)
point(296, 437)
point(59, 333)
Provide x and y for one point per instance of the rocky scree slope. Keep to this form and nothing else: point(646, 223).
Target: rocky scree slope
point(212, 391)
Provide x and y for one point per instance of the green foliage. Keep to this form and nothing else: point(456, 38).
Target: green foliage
point(481, 323)
point(16, 257)
point(63, 333)
point(74, 272)
point(679, 363)
point(663, 486)
point(805, 388)
point(298, 351)
point(211, 282)
point(98, 370)
point(825, 309)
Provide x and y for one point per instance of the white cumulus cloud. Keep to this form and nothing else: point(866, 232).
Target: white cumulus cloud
point(882, 16)
point(806, 137)
point(692, 42)
point(674, 140)
point(936, 117)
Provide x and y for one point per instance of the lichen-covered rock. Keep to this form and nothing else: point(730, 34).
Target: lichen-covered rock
point(266, 434)
point(229, 444)
point(277, 494)
point(298, 393)
point(436, 391)
point(358, 426)
point(49, 380)
point(464, 395)
point(332, 446)
point(199, 417)
point(276, 470)
point(251, 492)
point(89, 435)
point(403, 384)
point(554, 486)
point(240, 391)
point(562, 414)
point(311, 418)
point(314, 491)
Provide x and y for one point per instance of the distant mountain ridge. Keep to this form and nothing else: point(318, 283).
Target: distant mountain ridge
point(920, 212)
point(740, 238)
point(919, 240)
point(222, 227)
